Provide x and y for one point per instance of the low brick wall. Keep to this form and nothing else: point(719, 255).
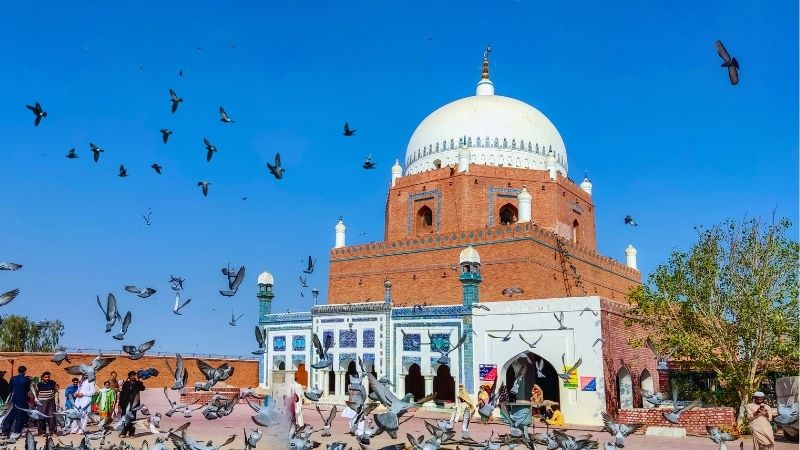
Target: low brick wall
point(190, 396)
point(245, 372)
point(694, 420)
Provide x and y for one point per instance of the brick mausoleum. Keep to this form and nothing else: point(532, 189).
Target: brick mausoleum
point(484, 204)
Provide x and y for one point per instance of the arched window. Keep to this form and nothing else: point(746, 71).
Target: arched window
point(624, 388)
point(646, 383)
point(424, 219)
point(415, 383)
point(575, 231)
point(351, 372)
point(508, 214)
point(281, 365)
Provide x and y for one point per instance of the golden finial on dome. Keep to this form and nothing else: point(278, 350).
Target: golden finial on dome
point(485, 73)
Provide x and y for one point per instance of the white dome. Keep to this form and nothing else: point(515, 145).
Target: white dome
point(518, 135)
point(469, 255)
point(265, 278)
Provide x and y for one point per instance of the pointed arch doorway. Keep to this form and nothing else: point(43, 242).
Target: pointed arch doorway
point(549, 384)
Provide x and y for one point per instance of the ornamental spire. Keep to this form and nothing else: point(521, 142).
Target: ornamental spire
point(485, 72)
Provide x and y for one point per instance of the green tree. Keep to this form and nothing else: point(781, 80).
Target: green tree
point(18, 334)
point(729, 305)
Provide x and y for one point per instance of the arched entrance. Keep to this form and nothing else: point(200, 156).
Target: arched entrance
point(415, 383)
point(624, 388)
point(646, 383)
point(301, 375)
point(351, 372)
point(549, 384)
point(508, 214)
point(444, 385)
point(331, 382)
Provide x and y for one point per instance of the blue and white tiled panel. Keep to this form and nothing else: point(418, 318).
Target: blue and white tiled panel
point(325, 336)
point(369, 358)
point(412, 342)
point(442, 341)
point(348, 339)
point(279, 343)
point(298, 343)
point(369, 338)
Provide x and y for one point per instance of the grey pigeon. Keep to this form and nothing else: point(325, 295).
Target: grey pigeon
point(95, 151)
point(276, 170)
point(234, 319)
point(175, 407)
point(518, 380)
point(210, 149)
point(34, 414)
point(654, 398)
point(587, 309)
point(234, 283)
point(59, 357)
point(176, 309)
point(123, 172)
point(138, 351)
point(629, 221)
point(38, 113)
point(261, 338)
point(661, 358)
point(505, 338)
point(480, 306)
point(313, 394)
point(560, 319)
point(531, 344)
point(731, 63)
point(567, 442)
point(90, 370)
point(565, 375)
point(327, 422)
point(180, 375)
point(487, 409)
point(176, 282)
point(322, 352)
point(6, 297)
point(368, 163)
point(165, 133)
point(156, 167)
point(389, 420)
point(674, 415)
point(140, 292)
point(619, 430)
point(719, 437)
point(518, 421)
point(347, 130)
point(265, 415)
point(213, 375)
point(512, 291)
point(173, 97)
point(251, 439)
point(10, 266)
point(310, 265)
point(223, 116)
point(126, 322)
point(204, 187)
point(539, 368)
point(444, 348)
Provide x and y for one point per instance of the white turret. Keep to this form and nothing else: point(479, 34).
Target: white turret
point(630, 256)
point(463, 159)
point(340, 229)
point(524, 205)
point(397, 171)
point(586, 185)
point(550, 164)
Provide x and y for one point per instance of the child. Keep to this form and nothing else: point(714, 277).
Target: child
point(106, 400)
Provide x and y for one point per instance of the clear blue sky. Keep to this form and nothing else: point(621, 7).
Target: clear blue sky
point(635, 89)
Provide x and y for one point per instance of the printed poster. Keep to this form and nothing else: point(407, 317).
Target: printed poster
point(487, 372)
point(572, 382)
point(589, 384)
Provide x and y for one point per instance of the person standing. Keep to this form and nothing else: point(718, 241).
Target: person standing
point(106, 400)
point(19, 387)
point(3, 387)
point(115, 387)
point(83, 398)
point(47, 390)
point(297, 391)
point(69, 394)
point(129, 399)
point(759, 415)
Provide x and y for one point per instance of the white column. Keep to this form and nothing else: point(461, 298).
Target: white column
point(524, 205)
point(401, 385)
point(428, 385)
point(550, 164)
point(463, 159)
point(341, 389)
point(630, 256)
point(340, 233)
point(325, 384)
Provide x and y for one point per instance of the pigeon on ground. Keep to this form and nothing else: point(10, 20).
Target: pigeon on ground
point(629, 221)
point(122, 171)
point(531, 344)
point(512, 291)
point(731, 63)
point(156, 167)
point(204, 186)
point(505, 338)
point(173, 97)
point(138, 351)
point(566, 441)
point(165, 133)
point(347, 130)
point(110, 311)
point(368, 163)
point(560, 319)
point(10, 266)
point(155, 423)
point(71, 154)
point(718, 436)
point(251, 439)
point(180, 374)
point(674, 415)
point(568, 369)
point(276, 170)
point(223, 116)
point(234, 319)
point(141, 292)
point(326, 422)
point(213, 375)
point(126, 322)
point(6, 297)
point(95, 151)
point(619, 430)
point(176, 309)
point(261, 338)
point(210, 149)
point(322, 352)
point(539, 367)
point(59, 357)
point(90, 370)
point(38, 112)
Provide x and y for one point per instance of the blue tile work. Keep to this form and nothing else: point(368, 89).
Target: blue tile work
point(365, 319)
point(325, 336)
point(432, 311)
point(279, 343)
point(369, 338)
point(437, 214)
point(411, 342)
point(369, 358)
point(503, 191)
point(409, 360)
point(287, 317)
point(348, 338)
point(298, 343)
point(467, 364)
point(346, 357)
point(337, 320)
point(442, 341)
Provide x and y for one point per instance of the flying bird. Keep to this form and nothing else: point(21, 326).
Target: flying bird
point(176, 282)
point(233, 282)
point(261, 338)
point(512, 291)
point(531, 344)
point(95, 151)
point(505, 338)
point(213, 375)
point(180, 375)
point(72, 154)
point(173, 97)
point(210, 149)
point(6, 298)
point(347, 130)
point(10, 266)
point(38, 112)
point(276, 170)
point(717, 435)
point(568, 369)
point(122, 171)
point(140, 292)
point(91, 369)
point(176, 309)
point(674, 415)
point(136, 352)
point(560, 319)
point(59, 357)
point(661, 358)
point(146, 218)
point(223, 116)
point(110, 311)
point(480, 306)
point(149, 372)
point(596, 341)
point(327, 422)
point(303, 282)
point(654, 398)
point(204, 187)
point(731, 63)
point(234, 319)
point(618, 430)
point(322, 352)
point(165, 133)
point(126, 322)
point(310, 265)
point(156, 167)
point(629, 221)
point(539, 368)
point(368, 164)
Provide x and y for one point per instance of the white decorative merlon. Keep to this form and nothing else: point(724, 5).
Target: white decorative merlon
point(550, 164)
point(463, 159)
point(340, 229)
point(630, 256)
point(524, 205)
point(586, 185)
point(397, 171)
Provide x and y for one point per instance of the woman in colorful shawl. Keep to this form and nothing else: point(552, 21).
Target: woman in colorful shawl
point(106, 399)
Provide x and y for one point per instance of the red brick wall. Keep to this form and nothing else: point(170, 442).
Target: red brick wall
point(465, 201)
point(522, 255)
point(617, 353)
point(694, 420)
point(245, 373)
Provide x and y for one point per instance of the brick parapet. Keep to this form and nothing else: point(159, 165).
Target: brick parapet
point(694, 420)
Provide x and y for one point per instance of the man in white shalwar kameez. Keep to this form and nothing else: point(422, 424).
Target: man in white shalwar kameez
point(296, 391)
point(83, 397)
